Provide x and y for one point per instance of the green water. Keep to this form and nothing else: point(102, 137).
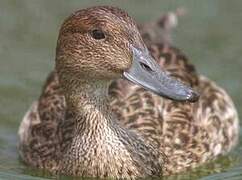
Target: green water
point(210, 35)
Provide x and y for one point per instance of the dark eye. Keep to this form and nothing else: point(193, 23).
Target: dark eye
point(97, 34)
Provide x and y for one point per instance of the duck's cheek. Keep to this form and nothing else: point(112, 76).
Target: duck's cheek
point(108, 72)
point(121, 63)
point(96, 72)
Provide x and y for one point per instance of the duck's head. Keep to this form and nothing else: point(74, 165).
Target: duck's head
point(102, 44)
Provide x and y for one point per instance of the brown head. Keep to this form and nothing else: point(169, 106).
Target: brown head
point(103, 43)
point(94, 43)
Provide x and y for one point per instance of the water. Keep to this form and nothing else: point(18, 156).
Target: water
point(210, 35)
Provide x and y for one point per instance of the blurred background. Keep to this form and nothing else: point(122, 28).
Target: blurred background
point(209, 34)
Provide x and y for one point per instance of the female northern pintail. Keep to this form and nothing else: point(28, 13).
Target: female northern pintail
point(89, 122)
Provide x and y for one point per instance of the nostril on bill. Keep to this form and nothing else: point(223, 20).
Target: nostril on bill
point(146, 67)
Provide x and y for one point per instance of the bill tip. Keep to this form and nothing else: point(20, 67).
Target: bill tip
point(193, 96)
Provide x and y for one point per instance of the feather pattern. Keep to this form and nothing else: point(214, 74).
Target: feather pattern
point(186, 134)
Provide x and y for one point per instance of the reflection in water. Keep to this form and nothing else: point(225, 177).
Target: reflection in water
point(209, 35)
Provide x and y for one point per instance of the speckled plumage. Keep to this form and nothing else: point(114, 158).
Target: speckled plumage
point(143, 135)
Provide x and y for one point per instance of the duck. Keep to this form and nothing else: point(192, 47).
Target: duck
point(120, 105)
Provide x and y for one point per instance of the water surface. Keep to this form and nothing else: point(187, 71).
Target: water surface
point(210, 35)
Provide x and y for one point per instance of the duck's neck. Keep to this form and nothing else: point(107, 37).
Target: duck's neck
point(89, 105)
point(100, 144)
